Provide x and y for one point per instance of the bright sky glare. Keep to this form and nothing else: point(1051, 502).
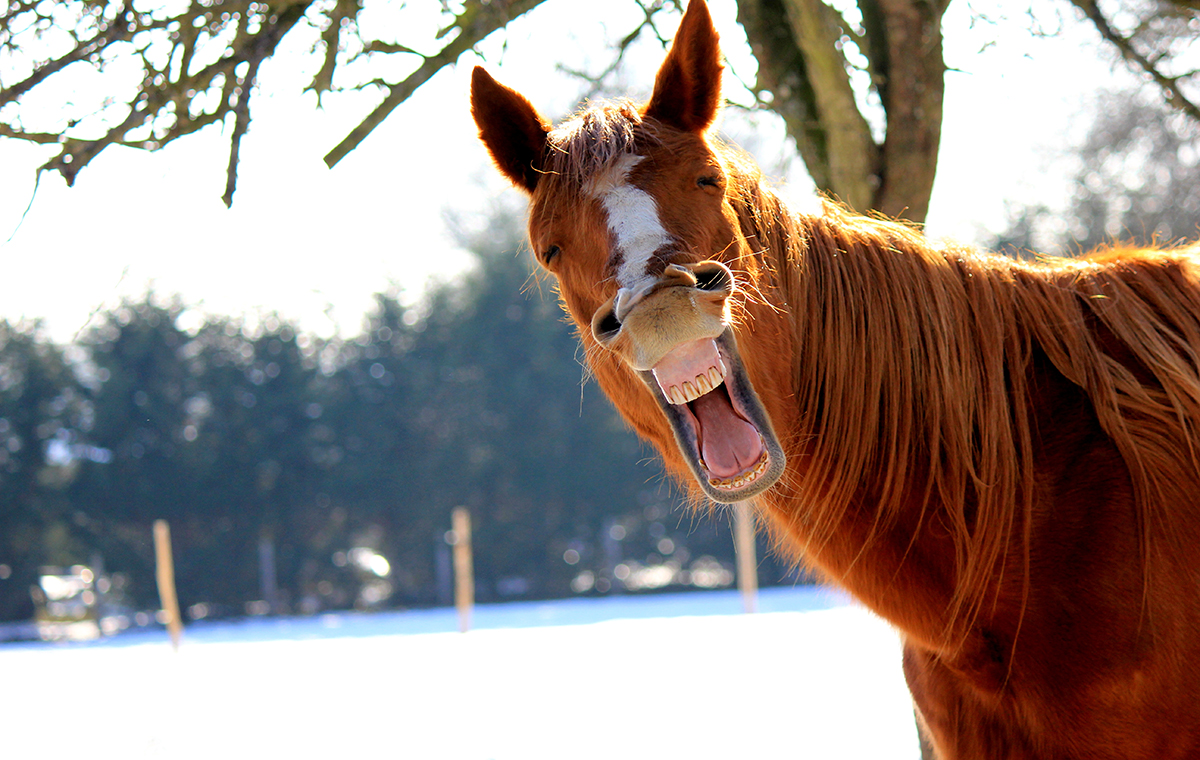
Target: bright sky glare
point(314, 244)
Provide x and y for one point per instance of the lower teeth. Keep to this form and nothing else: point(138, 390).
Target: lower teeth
point(741, 480)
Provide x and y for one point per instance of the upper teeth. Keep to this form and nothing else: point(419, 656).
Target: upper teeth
point(690, 390)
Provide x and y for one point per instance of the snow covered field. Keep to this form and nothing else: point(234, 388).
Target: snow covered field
point(673, 676)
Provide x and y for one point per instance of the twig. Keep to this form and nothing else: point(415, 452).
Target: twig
point(264, 47)
point(99, 307)
point(37, 182)
point(1169, 85)
point(596, 81)
point(476, 22)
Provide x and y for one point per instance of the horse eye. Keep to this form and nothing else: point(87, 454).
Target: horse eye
point(550, 254)
point(709, 180)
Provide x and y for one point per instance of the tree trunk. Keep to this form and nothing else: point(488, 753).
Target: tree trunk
point(912, 86)
point(800, 44)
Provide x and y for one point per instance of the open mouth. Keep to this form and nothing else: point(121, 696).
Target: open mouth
point(719, 423)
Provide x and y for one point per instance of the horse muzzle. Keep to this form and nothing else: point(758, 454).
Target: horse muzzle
point(686, 303)
point(676, 333)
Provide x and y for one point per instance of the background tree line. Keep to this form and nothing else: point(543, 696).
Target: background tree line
point(247, 435)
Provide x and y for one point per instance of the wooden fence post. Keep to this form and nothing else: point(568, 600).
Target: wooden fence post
point(464, 571)
point(747, 559)
point(166, 581)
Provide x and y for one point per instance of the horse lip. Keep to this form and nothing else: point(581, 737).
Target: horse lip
point(747, 404)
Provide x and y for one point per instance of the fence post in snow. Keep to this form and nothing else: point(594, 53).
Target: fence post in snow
point(464, 571)
point(747, 560)
point(268, 586)
point(166, 581)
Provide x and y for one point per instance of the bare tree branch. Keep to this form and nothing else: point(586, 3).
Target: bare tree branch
point(200, 62)
point(342, 16)
point(171, 100)
point(82, 51)
point(263, 47)
point(1125, 45)
point(477, 20)
point(596, 81)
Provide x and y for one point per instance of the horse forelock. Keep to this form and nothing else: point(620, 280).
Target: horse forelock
point(589, 143)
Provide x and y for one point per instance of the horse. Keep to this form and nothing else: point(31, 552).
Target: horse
point(999, 456)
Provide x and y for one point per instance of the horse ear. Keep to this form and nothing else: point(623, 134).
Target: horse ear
point(510, 127)
point(687, 90)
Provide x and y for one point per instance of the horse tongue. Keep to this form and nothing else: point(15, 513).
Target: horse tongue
point(728, 444)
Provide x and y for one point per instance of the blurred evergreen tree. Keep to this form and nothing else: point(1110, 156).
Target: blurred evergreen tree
point(379, 465)
point(141, 383)
point(255, 423)
point(217, 432)
point(42, 408)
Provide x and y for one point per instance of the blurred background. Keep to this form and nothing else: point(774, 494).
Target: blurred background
point(260, 281)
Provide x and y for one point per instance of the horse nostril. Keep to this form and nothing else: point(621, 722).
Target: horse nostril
point(712, 276)
point(605, 324)
point(608, 324)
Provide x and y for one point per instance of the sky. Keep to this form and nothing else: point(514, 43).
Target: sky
point(313, 244)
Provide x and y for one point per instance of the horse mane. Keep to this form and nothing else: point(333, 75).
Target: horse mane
point(913, 365)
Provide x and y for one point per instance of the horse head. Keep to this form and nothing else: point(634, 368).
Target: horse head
point(630, 209)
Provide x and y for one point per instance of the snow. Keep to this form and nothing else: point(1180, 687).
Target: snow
point(683, 675)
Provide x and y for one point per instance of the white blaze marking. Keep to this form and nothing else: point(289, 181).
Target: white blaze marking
point(633, 221)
